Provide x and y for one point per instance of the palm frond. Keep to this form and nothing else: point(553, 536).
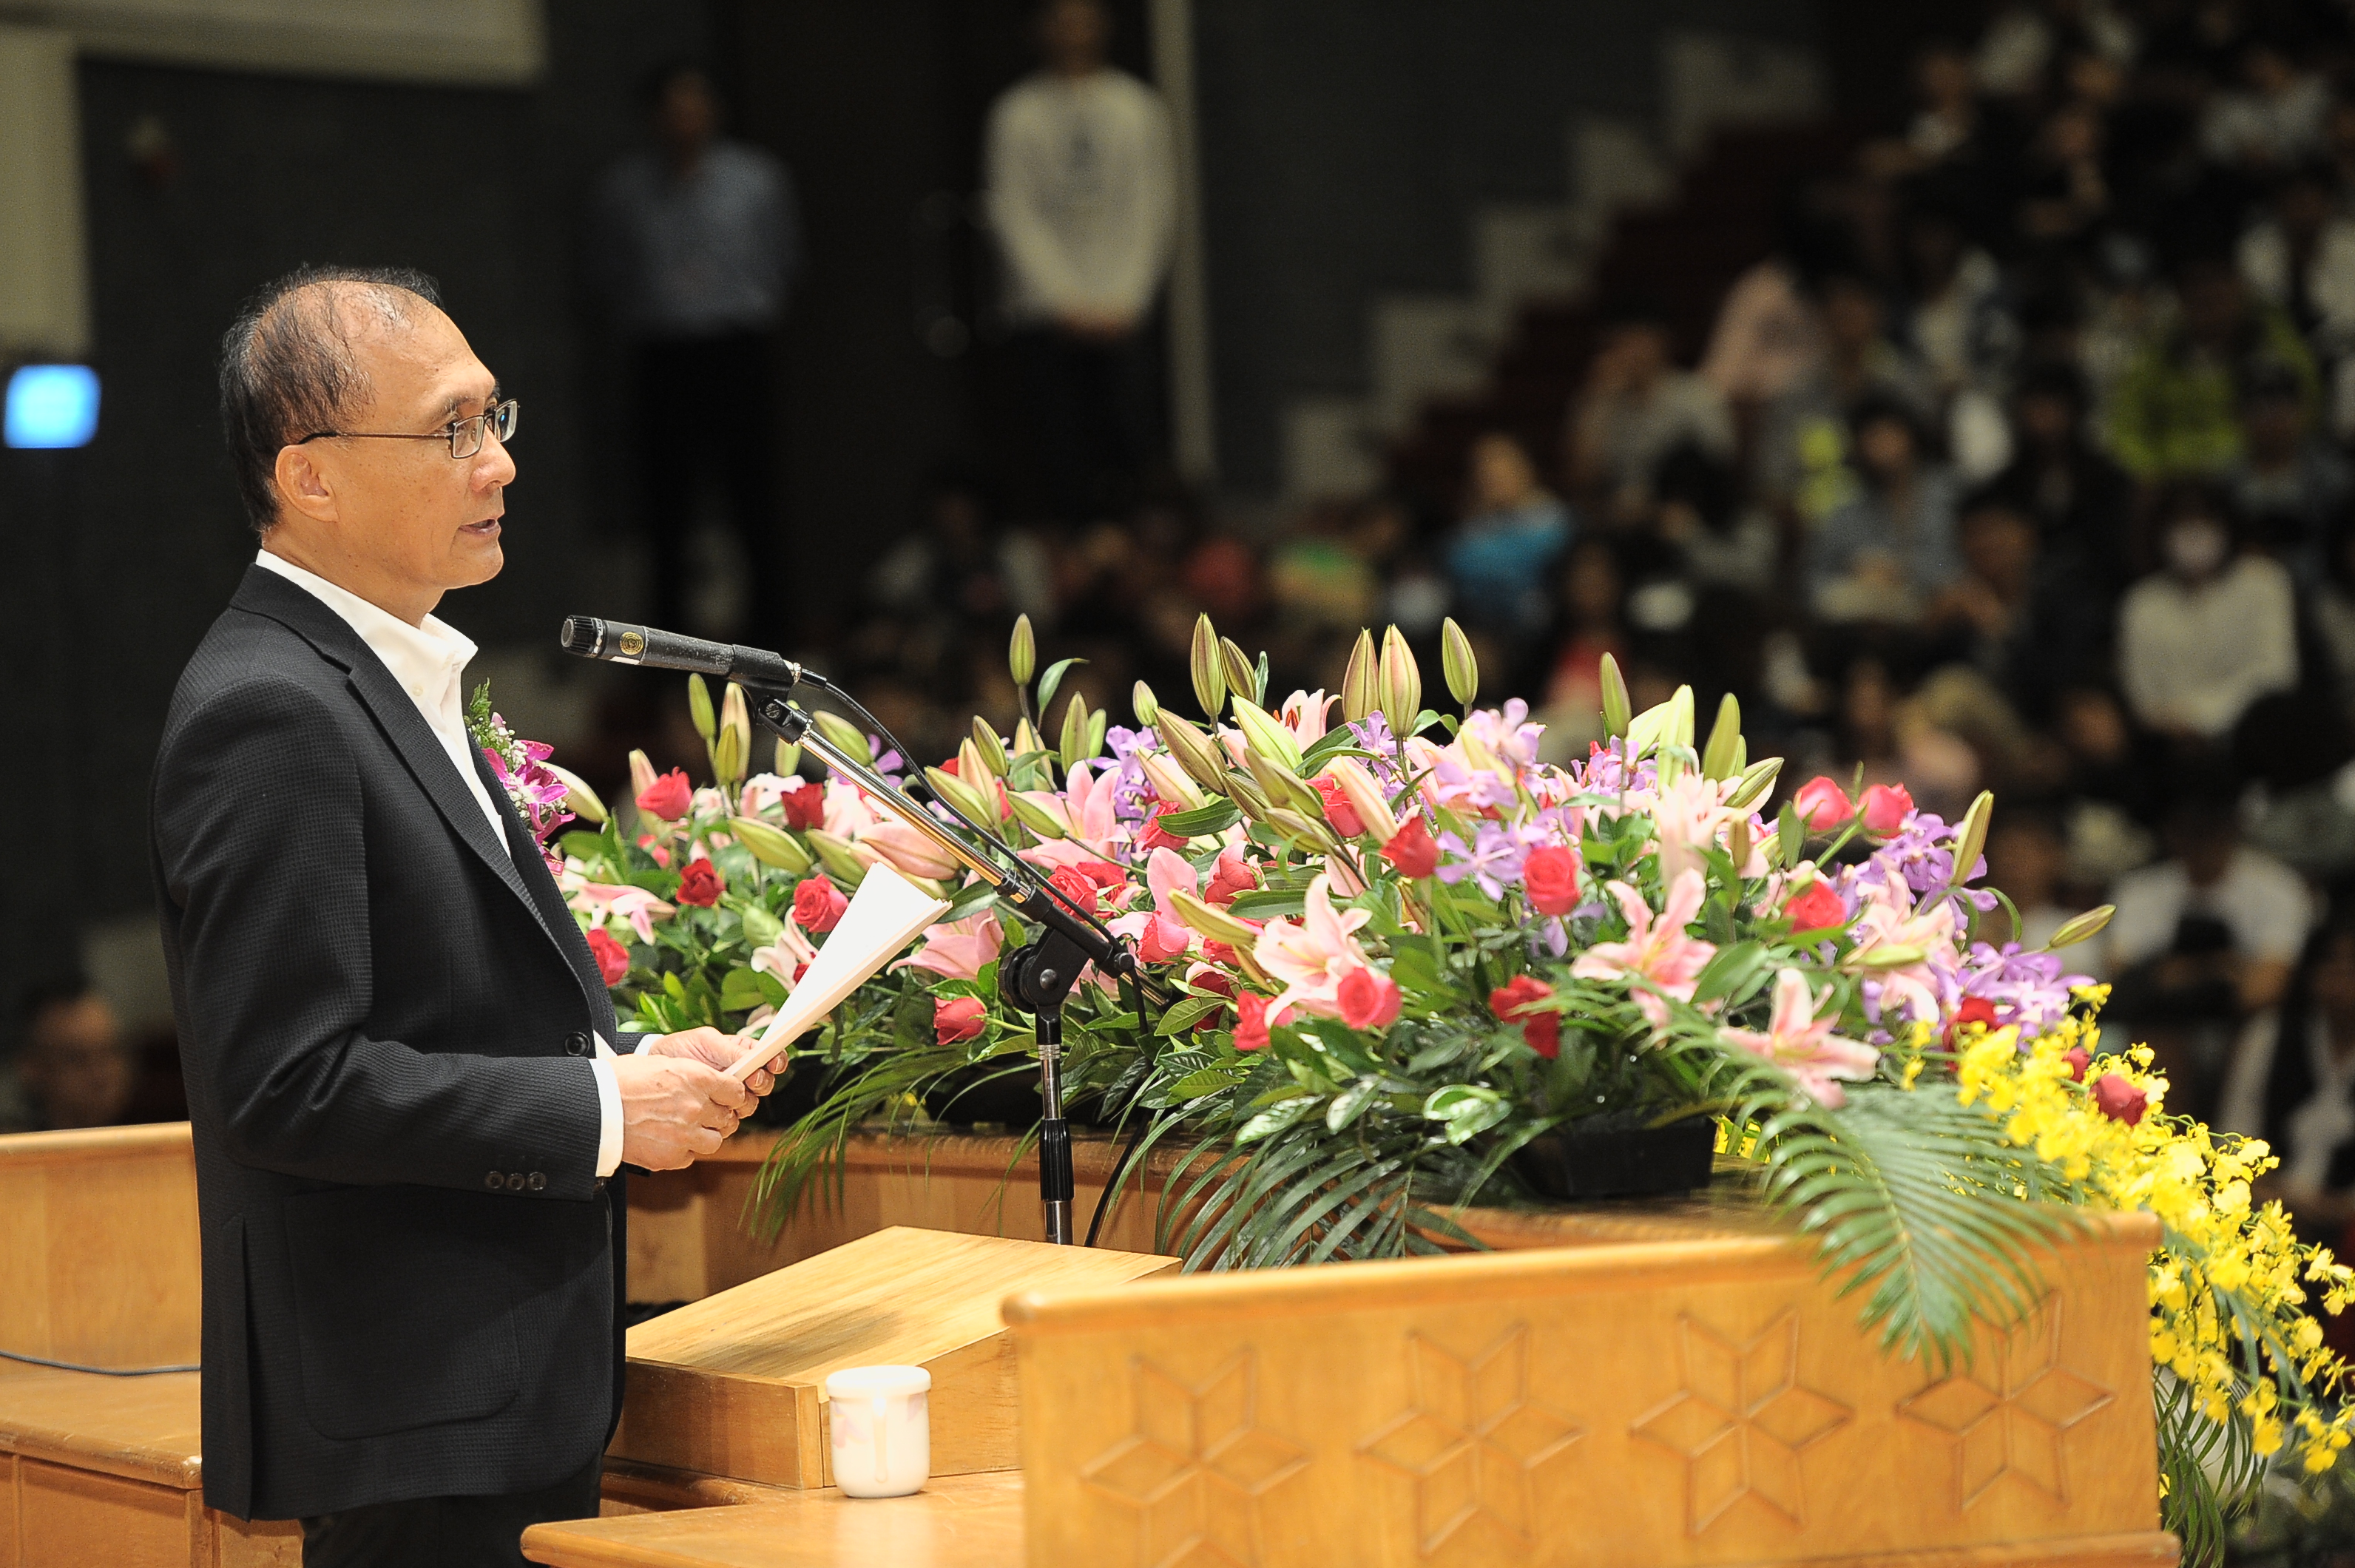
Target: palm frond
point(1914, 1197)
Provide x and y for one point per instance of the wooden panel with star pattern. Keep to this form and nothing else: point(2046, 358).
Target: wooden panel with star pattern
point(1692, 1396)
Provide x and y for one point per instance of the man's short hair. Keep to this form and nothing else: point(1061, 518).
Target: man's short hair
point(287, 366)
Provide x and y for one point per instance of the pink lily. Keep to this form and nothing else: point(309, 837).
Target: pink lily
point(847, 814)
point(1157, 932)
point(1656, 953)
point(603, 902)
point(958, 948)
point(787, 956)
point(1083, 808)
point(1886, 923)
point(1312, 955)
point(1692, 818)
point(1305, 714)
point(1804, 1046)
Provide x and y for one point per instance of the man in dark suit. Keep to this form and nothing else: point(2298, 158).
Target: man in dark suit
point(409, 1115)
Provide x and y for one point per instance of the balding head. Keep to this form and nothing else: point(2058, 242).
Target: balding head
point(289, 365)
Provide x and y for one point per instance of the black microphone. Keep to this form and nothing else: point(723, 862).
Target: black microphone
point(655, 649)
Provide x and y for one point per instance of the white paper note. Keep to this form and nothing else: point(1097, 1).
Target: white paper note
point(886, 914)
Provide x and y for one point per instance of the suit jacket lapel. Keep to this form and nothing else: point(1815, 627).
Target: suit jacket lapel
point(420, 749)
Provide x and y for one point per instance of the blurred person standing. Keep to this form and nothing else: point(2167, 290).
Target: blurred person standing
point(73, 1069)
point(1082, 194)
point(699, 246)
point(2210, 631)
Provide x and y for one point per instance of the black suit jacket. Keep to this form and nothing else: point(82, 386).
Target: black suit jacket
point(412, 1276)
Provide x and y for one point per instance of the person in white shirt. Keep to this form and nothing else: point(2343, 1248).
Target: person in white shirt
point(2210, 633)
point(1082, 198)
point(2293, 1084)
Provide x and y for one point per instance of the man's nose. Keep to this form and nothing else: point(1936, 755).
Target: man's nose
point(494, 466)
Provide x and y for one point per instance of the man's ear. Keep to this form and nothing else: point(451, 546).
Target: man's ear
point(302, 487)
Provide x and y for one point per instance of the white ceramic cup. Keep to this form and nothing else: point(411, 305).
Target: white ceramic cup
point(882, 1431)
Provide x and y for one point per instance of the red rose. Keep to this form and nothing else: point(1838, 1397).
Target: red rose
point(1412, 850)
point(1369, 998)
point(959, 1019)
point(699, 884)
point(1549, 877)
point(1970, 1011)
point(1156, 836)
point(1337, 810)
point(2079, 1059)
point(1814, 908)
point(949, 766)
point(1251, 1021)
point(1205, 978)
point(804, 807)
point(1075, 886)
point(612, 958)
point(1231, 875)
point(1886, 807)
point(667, 798)
point(2119, 1100)
point(1103, 873)
point(818, 904)
point(1822, 804)
point(1513, 1001)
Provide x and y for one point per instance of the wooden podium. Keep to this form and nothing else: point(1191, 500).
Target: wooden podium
point(733, 1385)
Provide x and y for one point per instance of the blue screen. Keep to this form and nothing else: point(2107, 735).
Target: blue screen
point(52, 406)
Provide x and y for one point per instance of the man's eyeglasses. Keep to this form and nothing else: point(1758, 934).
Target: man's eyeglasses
point(465, 436)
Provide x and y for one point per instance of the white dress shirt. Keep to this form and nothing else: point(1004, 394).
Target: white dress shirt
point(428, 661)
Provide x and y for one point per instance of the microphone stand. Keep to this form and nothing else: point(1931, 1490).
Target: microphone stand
point(1035, 978)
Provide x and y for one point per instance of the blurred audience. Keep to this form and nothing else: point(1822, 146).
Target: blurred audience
point(2293, 1084)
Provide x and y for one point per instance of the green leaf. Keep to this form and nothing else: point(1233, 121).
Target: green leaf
point(969, 901)
point(742, 991)
point(1732, 972)
point(1274, 1119)
point(1466, 1109)
point(761, 927)
point(1183, 1016)
point(1054, 678)
point(1268, 902)
point(1203, 821)
point(1350, 1104)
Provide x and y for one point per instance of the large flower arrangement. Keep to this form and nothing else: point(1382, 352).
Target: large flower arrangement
point(1395, 951)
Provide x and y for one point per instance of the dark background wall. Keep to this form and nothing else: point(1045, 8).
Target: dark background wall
point(1345, 143)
